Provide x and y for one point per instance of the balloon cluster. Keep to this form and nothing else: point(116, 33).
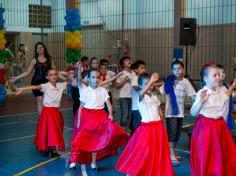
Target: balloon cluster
point(4, 56)
point(2, 31)
point(73, 35)
point(72, 20)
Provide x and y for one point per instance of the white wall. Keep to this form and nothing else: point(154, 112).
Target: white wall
point(16, 15)
point(155, 13)
point(210, 12)
point(138, 14)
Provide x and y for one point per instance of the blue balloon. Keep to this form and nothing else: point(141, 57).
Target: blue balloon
point(75, 12)
point(2, 10)
point(67, 17)
point(66, 28)
point(2, 21)
point(69, 22)
point(3, 93)
point(76, 22)
point(72, 28)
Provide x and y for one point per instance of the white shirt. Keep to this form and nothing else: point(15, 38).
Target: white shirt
point(109, 75)
point(213, 107)
point(125, 91)
point(52, 95)
point(73, 79)
point(94, 98)
point(182, 89)
point(148, 108)
point(81, 87)
point(134, 93)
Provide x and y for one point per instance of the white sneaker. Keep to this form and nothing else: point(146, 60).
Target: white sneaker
point(72, 165)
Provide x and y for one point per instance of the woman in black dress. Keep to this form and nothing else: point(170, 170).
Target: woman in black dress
point(41, 62)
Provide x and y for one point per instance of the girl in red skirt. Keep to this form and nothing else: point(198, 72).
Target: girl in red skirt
point(49, 135)
point(213, 151)
point(147, 153)
point(96, 135)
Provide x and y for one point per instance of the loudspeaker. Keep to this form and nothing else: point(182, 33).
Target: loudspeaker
point(188, 31)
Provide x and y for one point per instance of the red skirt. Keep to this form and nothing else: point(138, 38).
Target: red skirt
point(147, 153)
point(50, 129)
point(75, 129)
point(213, 151)
point(96, 133)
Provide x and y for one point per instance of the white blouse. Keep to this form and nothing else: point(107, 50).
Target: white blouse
point(214, 106)
point(52, 95)
point(148, 108)
point(94, 98)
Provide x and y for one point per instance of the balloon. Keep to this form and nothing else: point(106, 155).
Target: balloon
point(4, 41)
point(76, 22)
point(2, 60)
point(72, 55)
point(2, 93)
point(2, 32)
point(2, 46)
point(73, 35)
point(2, 9)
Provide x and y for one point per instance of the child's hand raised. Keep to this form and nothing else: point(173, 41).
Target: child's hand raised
point(120, 74)
point(204, 96)
point(12, 80)
point(234, 83)
point(154, 77)
point(19, 91)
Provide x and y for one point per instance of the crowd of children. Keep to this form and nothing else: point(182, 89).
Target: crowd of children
point(150, 149)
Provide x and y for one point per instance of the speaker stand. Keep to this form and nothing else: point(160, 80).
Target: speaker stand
point(187, 76)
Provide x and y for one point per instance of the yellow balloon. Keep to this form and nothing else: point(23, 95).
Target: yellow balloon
point(4, 41)
point(69, 41)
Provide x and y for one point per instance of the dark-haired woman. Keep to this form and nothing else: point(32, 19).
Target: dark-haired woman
point(41, 63)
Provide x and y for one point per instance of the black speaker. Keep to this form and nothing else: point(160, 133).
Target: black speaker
point(188, 31)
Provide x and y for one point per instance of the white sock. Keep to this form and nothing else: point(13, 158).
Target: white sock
point(72, 165)
point(93, 165)
point(83, 169)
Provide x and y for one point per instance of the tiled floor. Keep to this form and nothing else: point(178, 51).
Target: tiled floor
point(18, 153)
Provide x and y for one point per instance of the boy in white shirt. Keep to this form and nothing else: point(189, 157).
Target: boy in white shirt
point(124, 84)
point(176, 88)
point(139, 68)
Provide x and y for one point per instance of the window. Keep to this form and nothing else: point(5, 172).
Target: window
point(40, 16)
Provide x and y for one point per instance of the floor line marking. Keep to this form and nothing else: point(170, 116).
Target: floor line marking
point(13, 139)
point(31, 121)
point(188, 125)
point(68, 128)
point(29, 136)
point(40, 164)
point(9, 123)
point(28, 113)
point(184, 151)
